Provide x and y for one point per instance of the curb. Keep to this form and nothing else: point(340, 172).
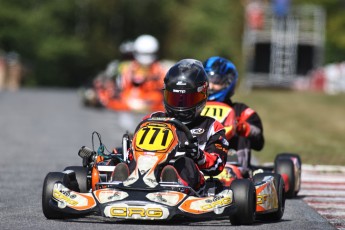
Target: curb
point(324, 168)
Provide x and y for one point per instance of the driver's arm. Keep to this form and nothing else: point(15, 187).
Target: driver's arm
point(215, 152)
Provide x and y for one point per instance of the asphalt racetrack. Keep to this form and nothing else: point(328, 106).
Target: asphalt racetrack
point(42, 131)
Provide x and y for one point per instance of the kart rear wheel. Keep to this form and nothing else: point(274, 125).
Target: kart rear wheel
point(289, 155)
point(282, 166)
point(47, 194)
point(245, 200)
point(279, 184)
point(286, 166)
point(81, 176)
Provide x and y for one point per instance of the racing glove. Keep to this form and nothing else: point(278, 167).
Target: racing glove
point(243, 128)
point(194, 152)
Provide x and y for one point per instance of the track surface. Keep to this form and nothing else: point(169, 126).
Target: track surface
point(42, 131)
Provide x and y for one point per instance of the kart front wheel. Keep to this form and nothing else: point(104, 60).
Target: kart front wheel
point(81, 176)
point(245, 200)
point(47, 194)
point(279, 185)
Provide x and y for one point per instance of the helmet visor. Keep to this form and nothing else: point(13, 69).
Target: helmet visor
point(183, 100)
point(224, 80)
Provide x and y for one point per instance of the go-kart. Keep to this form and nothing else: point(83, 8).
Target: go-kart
point(105, 94)
point(134, 99)
point(288, 165)
point(94, 188)
point(143, 95)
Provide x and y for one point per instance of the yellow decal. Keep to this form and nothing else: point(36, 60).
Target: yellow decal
point(218, 112)
point(225, 174)
point(154, 137)
point(59, 196)
point(132, 211)
point(220, 147)
point(228, 128)
point(222, 202)
point(261, 199)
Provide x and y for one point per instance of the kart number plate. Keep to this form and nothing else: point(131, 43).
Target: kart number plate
point(222, 113)
point(154, 137)
point(216, 111)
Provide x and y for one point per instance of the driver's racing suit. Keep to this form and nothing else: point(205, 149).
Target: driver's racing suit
point(254, 139)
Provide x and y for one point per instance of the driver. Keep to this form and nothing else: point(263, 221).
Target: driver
point(222, 75)
point(139, 81)
point(185, 96)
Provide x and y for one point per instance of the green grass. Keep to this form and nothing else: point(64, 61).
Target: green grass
point(308, 123)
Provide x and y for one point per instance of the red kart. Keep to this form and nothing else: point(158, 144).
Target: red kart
point(132, 88)
point(288, 165)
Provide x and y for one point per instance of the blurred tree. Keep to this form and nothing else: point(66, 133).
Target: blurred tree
point(201, 28)
point(40, 31)
point(66, 43)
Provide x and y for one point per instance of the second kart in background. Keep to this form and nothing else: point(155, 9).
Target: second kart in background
point(244, 129)
point(131, 85)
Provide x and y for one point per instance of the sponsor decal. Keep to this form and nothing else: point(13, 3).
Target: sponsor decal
point(160, 198)
point(196, 205)
point(181, 83)
point(217, 202)
point(220, 147)
point(116, 196)
point(136, 212)
point(124, 211)
point(197, 131)
point(162, 118)
point(167, 198)
point(179, 90)
point(106, 195)
point(261, 199)
point(266, 195)
point(64, 198)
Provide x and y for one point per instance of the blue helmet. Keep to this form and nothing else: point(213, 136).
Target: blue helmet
point(221, 71)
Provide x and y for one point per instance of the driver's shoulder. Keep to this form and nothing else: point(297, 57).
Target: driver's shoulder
point(205, 122)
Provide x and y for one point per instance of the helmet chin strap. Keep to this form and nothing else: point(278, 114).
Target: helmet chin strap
point(181, 115)
point(191, 114)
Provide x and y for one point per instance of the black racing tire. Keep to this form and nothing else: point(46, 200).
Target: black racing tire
point(289, 155)
point(286, 166)
point(245, 200)
point(47, 193)
point(279, 184)
point(295, 187)
point(81, 173)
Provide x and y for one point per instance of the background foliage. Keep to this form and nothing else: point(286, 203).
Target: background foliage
point(308, 123)
point(66, 43)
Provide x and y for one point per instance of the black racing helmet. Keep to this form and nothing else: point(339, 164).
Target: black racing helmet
point(185, 90)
